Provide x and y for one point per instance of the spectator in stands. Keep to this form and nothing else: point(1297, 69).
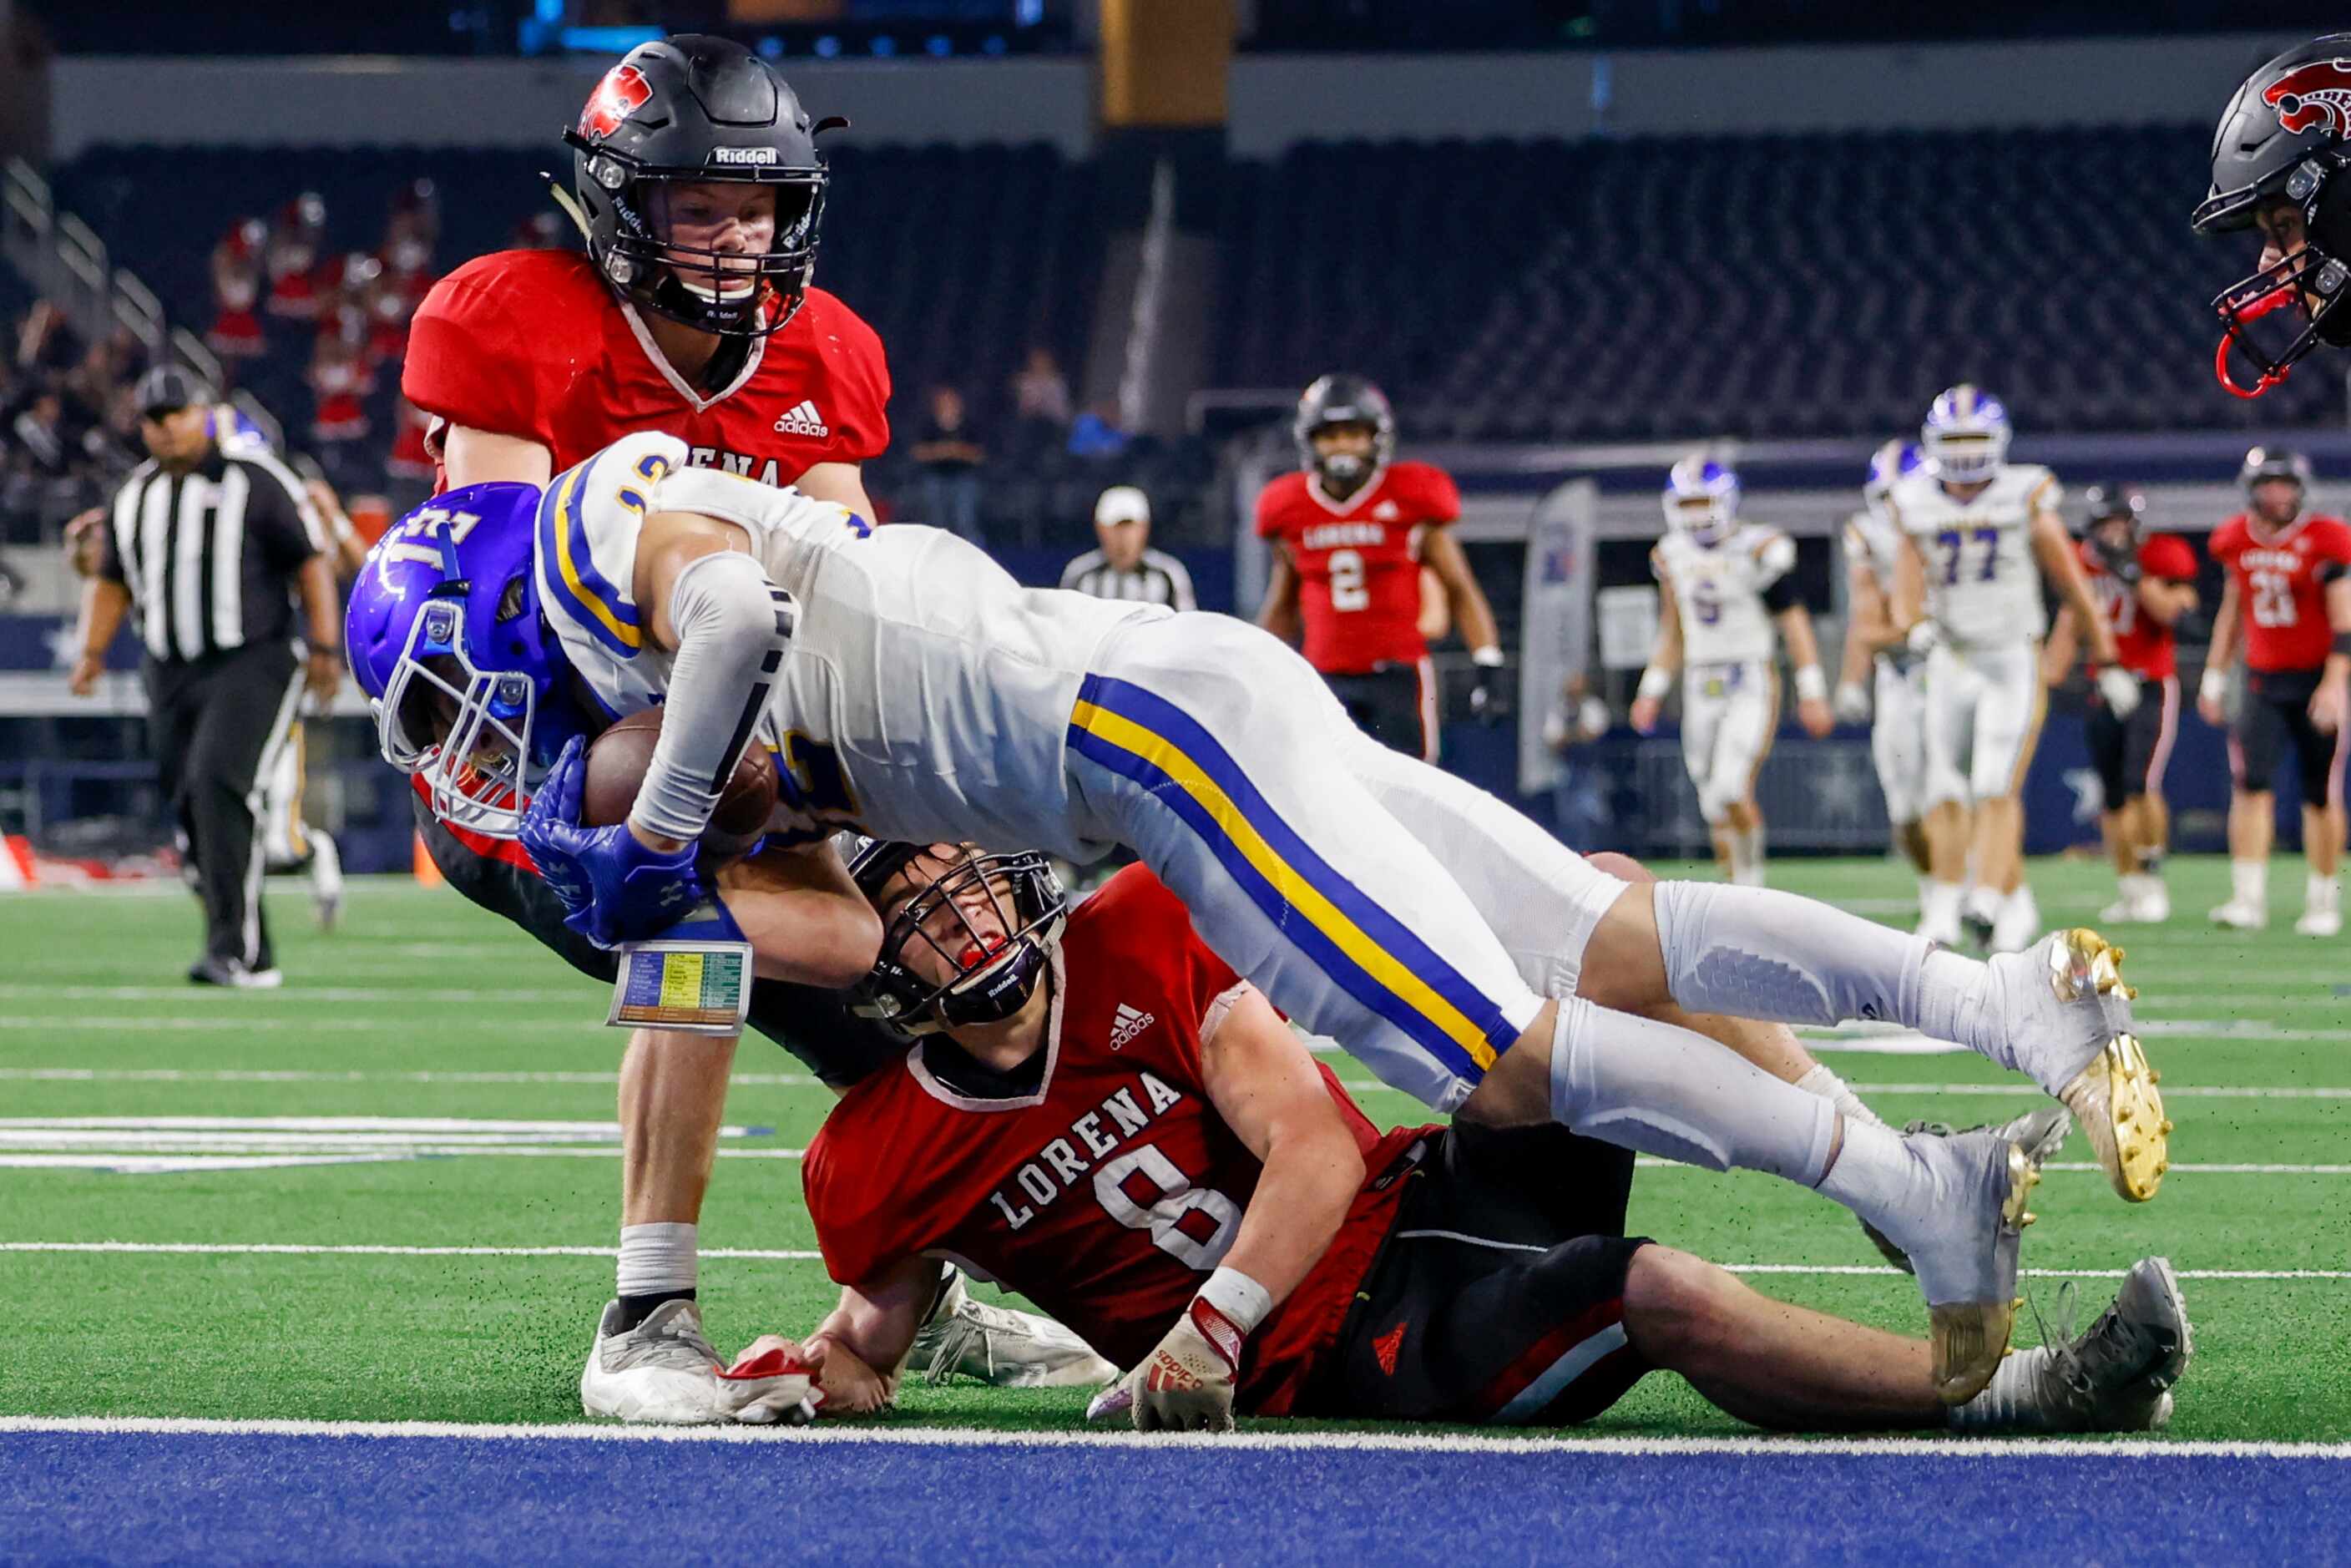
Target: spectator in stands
point(1040, 392)
point(1096, 434)
point(41, 445)
point(951, 457)
point(339, 426)
point(235, 332)
point(46, 341)
point(293, 258)
point(1125, 565)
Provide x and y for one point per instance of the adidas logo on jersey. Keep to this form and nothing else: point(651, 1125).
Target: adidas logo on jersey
point(803, 419)
point(1126, 1024)
point(1386, 1348)
point(1387, 511)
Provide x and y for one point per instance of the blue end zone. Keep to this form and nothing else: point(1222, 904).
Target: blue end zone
point(162, 1496)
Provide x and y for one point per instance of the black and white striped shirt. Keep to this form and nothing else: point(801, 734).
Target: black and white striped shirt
point(1157, 578)
point(210, 555)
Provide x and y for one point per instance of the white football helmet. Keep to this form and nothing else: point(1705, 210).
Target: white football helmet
point(1965, 435)
point(1888, 467)
point(1702, 499)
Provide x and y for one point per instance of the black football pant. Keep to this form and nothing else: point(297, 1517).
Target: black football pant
point(2275, 714)
point(218, 723)
point(1396, 704)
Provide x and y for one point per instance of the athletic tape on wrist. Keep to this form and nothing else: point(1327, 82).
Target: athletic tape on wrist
point(1240, 1299)
point(1655, 684)
point(1811, 686)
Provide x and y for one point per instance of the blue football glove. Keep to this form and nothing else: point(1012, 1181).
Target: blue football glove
point(614, 889)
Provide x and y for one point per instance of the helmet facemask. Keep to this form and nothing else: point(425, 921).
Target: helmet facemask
point(465, 732)
point(2286, 285)
point(721, 292)
point(1706, 518)
point(989, 920)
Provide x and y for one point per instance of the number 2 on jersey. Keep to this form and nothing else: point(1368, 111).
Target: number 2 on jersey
point(1348, 591)
point(1954, 540)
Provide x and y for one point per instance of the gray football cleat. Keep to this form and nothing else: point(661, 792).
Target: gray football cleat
point(2117, 1377)
point(1001, 1347)
point(2065, 1008)
point(2042, 1135)
point(666, 1372)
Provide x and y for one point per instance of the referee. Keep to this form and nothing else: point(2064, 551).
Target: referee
point(1126, 567)
point(207, 548)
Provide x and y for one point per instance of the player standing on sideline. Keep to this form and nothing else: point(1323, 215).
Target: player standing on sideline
point(1967, 595)
point(698, 182)
point(1352, 530)
point(1895, 704)
point(2289, 593)
point(1132, 1137)
point(1727, 583)
point(2144, 584)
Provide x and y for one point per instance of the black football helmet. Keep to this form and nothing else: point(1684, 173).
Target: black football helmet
point(1344, 399)
point(2113, 498)
point(2286, 134)
point(685, 111)
point(989, 983)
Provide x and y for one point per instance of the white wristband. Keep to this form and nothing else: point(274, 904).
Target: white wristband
point(2214, 687)
point(1811, 686)
point(1654, 685)
point(1487, 658)
point(1243, 1301)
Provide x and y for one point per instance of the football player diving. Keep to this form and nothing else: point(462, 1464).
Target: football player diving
point(1099, 1114)
point(699, 188)
point(914, 690)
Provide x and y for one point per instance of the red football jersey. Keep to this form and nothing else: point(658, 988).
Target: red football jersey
point(2147, 646)
point(2282, 603)
point(1359, 561)
point(531, 343)
point(1109, 1195)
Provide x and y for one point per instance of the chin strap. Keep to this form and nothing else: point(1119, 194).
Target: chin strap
point(2232, 336)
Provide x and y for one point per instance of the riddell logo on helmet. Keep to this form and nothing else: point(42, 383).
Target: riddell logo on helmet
point(620, 94)
point(2312, 96)
point(742, 156)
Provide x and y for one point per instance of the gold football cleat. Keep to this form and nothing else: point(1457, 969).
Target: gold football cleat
point(2115, 1098)
point(1969, 1338)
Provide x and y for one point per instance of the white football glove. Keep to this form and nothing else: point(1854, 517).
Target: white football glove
point(776, 1386)
point(1924, 638)
point(1851, 703)
point(2120, 688)
point(1185, 1385)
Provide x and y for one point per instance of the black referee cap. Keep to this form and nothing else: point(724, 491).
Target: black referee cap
point(169, 387)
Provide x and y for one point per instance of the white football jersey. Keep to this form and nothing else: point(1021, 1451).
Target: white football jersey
point(1719, 590)
point(926, 695)
point(1875, 542)
point(1983, 584)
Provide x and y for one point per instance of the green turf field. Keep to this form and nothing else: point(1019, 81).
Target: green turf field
point(432, 1021)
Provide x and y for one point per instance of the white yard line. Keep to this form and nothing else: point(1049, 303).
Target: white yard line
point(1255, 1439)
point(298, 1248)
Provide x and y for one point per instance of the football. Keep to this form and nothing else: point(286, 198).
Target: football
point(617, 761)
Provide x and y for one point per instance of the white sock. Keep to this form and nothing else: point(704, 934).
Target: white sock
point(2250, 883)
point(1943, 904)
point(1825, 1083)
point(1984, 903)
point(1954, 997)
point(654, 1258)
point(1876, 1177)
point(2321, 893)
point(2011, 1401)
point(1927, 885)
point(1747, 855)
point(1664, 1090)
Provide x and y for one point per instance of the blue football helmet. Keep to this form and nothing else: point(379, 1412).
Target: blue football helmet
point(467, 679)
point(1702, 499)
point(1965, 435)
point(1888, 467)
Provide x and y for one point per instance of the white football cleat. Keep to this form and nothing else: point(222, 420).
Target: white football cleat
point(2067, 1013)
point(2241, 916)
point(2145, 901)
point(1964, 1250)
point(1001, 1347)
point(664, 1371)
point(2320, 923)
